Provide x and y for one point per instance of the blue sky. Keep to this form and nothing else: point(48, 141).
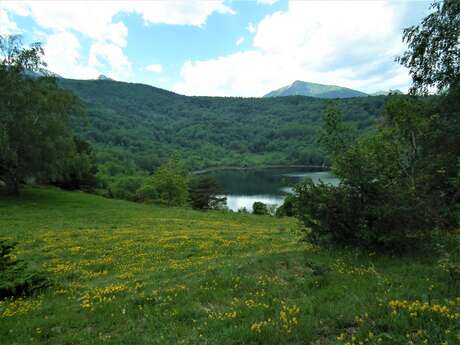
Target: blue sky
point(225, 48)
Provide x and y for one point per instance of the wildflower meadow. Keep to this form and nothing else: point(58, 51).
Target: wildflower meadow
point(125, 273)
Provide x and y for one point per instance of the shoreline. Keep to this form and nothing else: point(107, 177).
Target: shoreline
point(254, 167)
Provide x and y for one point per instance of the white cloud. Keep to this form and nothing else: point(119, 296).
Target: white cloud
point(96, 20)
point(266, 2)
point(92, 19)
point(7, 25)
point(110, 56)
point(239, 41)
point(251, 28)
point(63, 56)
point(345, 43)
point(65, 59)
point(178, 12)
point(242, 74)
point(154, 68)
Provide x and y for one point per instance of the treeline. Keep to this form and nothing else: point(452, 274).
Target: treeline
point(171, 185)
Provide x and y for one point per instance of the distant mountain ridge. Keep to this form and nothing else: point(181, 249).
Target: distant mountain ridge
point(303, 88)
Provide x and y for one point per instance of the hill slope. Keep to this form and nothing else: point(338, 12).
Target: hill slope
point(126, 273)
point(141, 125)
point(302, 88)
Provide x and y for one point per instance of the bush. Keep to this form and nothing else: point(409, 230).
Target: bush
point(260, 208)
point(287, 208)
point(397, 183)
point(344, 214)
point(16, 278)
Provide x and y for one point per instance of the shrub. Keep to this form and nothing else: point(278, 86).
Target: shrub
point(259, 208)
point(347, 215)
point(287, 208)
point(397, 184)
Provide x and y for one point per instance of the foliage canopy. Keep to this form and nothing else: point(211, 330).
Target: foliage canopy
point(35, 137)
point(433, 57)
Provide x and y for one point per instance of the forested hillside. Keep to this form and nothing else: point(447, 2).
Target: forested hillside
point(135, 126)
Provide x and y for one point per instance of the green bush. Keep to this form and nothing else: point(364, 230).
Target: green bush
point(287, 208)
point(259, 208)
point(344, 214)
point(398, 182)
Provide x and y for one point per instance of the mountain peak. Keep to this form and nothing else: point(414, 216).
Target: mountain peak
point(303, 88)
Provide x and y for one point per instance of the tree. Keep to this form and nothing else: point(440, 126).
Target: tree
point(171, 183)
point(35, 137)
point(335, 135)
point(259, 208)
point(205, 194)
point(433, 57)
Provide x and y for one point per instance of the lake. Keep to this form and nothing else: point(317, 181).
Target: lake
point(270, 186)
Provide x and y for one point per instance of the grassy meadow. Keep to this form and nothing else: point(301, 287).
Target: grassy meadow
point(126, 273)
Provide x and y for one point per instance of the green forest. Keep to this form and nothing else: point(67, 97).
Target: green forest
point(136, 127)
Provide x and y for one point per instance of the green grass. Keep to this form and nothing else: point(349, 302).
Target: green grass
point(126, 273)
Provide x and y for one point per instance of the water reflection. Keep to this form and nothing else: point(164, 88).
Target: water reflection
point(270, 186)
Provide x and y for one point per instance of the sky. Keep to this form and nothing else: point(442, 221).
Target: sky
point(221, 48)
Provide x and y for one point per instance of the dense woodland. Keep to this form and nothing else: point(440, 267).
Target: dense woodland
point(135, 127)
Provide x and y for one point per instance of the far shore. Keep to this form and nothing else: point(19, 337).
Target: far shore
point(254, 167)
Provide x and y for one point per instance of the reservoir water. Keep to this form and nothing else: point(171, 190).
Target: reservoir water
point(270, 186)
